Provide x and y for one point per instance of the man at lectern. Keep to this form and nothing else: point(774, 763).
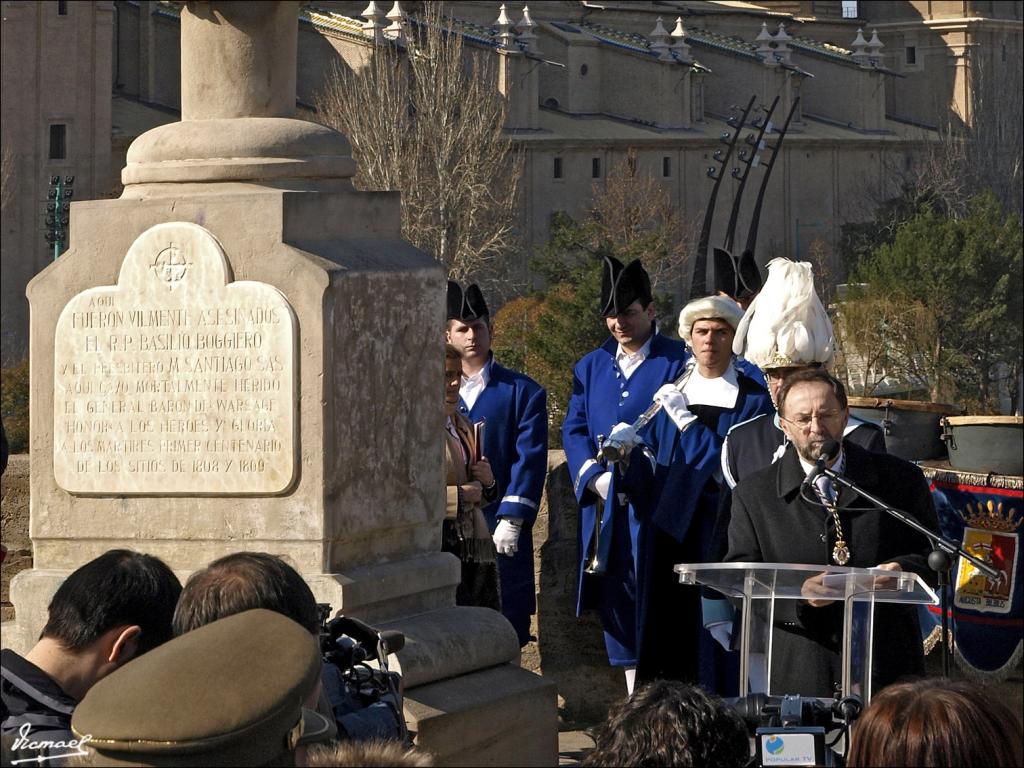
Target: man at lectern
point(777, 518)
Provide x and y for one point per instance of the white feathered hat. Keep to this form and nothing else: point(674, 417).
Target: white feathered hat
point(786, 325)
point(717, 307)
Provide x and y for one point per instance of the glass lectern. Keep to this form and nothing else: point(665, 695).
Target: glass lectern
point(761, 586)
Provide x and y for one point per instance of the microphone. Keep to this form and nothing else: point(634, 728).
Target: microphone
point(829, 451)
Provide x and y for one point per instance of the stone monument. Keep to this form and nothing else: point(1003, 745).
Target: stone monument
point(241, 353)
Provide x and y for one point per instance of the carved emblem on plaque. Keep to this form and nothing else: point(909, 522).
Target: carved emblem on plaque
point(170, 266)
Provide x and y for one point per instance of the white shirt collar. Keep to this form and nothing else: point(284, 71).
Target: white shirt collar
point(471, 386)
point(722, 391)
point(628, 362)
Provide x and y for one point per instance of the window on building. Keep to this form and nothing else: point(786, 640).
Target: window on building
point(556, 169)
point(58, 141)
point(62, 7)
point(697, 102)
point(911, 56)
point(849, 9)
point(666, 166)
point(595, 168)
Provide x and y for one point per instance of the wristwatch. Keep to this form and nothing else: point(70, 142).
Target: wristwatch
point(490, 493)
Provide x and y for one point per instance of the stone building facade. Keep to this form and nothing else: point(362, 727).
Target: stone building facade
point(589, 84)
point(55, 119)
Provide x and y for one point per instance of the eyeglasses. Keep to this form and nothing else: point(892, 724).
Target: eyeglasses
point(804, 420)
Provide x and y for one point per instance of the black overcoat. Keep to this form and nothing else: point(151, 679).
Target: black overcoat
point(772, 523)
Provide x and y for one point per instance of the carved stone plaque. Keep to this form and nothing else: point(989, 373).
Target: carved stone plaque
point(177, 380)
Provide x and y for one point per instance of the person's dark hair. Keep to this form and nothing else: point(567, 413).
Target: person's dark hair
point(240, 582)
point(671, 723)
point(118, 588)
point(806, 375)
point(936, 722)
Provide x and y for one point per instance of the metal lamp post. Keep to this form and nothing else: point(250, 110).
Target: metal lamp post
point(58, 210)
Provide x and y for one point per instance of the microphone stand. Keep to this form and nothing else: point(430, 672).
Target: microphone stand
point(939, 559)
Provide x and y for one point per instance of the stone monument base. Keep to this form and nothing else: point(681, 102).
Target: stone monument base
point(499, 716)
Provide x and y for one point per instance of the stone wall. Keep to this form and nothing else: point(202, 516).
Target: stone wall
point(568, 650)
point(56, 70)
point(14, 528)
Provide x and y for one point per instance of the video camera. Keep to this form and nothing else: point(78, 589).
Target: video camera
point(364, 694)
point(792, 730)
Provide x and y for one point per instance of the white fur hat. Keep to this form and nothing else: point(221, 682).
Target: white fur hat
point(786, 324)
point(717, 307)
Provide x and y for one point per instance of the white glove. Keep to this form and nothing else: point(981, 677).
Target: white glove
point(675, 404)
point(506, 535)
point(624, 434)
point(600, 483)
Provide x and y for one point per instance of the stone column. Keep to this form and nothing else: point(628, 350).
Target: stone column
point(241, 353)
point(234, 60)
point(146, 51)
point(959, 59)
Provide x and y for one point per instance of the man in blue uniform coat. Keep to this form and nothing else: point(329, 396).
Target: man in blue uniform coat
point(514, 409)
point(685, 439)
point(612, 385)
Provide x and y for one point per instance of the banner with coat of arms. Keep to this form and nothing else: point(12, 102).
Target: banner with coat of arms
point(985, 513)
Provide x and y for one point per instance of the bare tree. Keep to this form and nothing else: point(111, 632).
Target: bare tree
point(633, 212)
point(429, 122)
point(985, 150)
point(823, 267)
point(978, 150)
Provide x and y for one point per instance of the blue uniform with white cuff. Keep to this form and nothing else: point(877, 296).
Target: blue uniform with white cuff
point(682, 511)
point(602, 397)
point(516, 444)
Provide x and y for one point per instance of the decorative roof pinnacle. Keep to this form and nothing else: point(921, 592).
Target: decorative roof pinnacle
point(859, 46)
point(679, 45)
point(782, 50)
point(659, 41)
point(506, 36)
point(764, 45)
point(397, 16)
point(525, 28)
point(373, 25)
point(875, 47)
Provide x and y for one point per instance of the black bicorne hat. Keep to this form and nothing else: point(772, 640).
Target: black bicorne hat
point(621, 286)
point(740, 278)
point(466, 305)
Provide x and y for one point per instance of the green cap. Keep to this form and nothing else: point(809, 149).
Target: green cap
point(228, 693)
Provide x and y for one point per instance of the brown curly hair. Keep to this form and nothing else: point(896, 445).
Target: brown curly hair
point(671, 723)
